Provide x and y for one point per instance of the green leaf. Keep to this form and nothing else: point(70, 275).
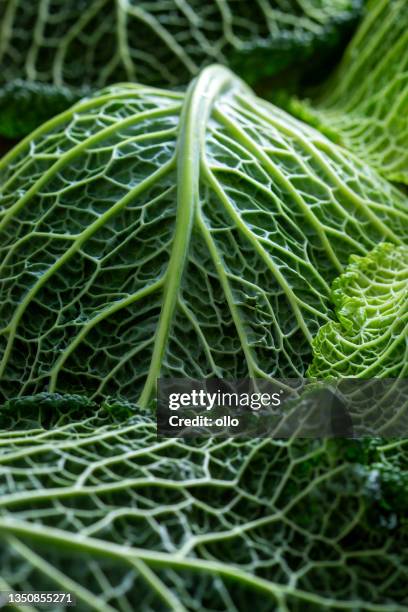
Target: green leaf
point(365, 103)
point(147, 233)
point(371, 338)
point(68, 45)
point(125, 521)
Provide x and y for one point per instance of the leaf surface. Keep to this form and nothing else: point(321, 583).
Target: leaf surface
point(148, 233)
point(370, 338)
point(115, 516)
point(365, 103)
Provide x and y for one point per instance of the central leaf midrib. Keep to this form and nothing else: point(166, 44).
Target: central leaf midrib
point(194, 116)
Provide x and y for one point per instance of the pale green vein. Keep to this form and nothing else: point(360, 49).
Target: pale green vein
point(84, 19)
point(220, 268)
point(58, 578)
point(190, 316)
point(158, 586)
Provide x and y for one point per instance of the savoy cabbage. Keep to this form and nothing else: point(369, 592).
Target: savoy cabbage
point(146, 233)
point(208, 233)
point(52, 51)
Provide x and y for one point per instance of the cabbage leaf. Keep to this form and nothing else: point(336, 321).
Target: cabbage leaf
point(50, 51)
point(125, 521)
point(370, 340)
point(146, 233)
point(365, 103)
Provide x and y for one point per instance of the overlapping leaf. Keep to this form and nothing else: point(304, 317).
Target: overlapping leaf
point(50, 51)
point(365, 103)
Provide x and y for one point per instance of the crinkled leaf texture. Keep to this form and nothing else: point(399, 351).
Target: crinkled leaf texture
point(365, 103)
point(148, 233)
point(96, 42)
point(24, 105)
point(125, 521)
point(371, 338)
